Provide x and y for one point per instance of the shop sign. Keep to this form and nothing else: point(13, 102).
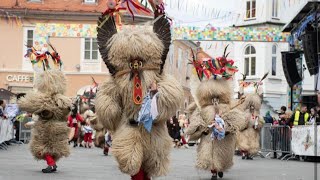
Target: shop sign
point(19, 78)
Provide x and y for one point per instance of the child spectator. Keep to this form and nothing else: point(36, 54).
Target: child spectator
point(87, 135)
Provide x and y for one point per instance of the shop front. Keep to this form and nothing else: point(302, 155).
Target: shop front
point(15, 83)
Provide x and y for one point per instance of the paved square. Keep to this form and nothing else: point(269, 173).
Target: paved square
point(17, 164)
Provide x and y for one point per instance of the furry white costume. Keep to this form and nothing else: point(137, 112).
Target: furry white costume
point(135, 60)
point(213, 95)
point(49, 139)
point(248, 140)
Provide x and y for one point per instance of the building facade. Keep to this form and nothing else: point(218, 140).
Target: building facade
point(254, 59)
point(69, 25)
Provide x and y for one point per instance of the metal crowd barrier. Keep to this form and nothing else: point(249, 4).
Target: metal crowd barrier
point(24, 133)
point(276, 139)
point(7, 133)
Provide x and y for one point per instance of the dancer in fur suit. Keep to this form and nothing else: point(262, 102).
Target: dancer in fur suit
point(49, 139)
point(212, 92)
point(138, 97)
point(248, 140)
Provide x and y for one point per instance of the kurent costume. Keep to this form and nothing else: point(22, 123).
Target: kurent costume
point(248, 140)
point(133, 112)
point(49, 139)
point(212, 92)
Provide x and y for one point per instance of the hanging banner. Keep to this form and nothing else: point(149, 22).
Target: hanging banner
point(303, 141)
point(259, 34)
point(253, 34)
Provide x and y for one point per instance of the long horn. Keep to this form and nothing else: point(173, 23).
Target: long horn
point(225, 50)
point(264, 76)
point(162, 28)
point(106, 29)
point(244, 77)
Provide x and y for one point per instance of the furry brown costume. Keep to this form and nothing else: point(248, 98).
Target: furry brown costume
point(214, 154)
point(248, 140)
point(50, 132)
point(144, 51)
point(211, 97)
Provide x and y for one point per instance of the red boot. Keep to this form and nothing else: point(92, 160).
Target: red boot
point(106, 151)
point(214, 175)
point(138, 176)
point(145, 176)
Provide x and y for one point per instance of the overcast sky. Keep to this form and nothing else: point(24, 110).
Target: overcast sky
point(220, 12)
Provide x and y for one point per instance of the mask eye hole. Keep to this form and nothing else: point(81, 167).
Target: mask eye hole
point(45, 114)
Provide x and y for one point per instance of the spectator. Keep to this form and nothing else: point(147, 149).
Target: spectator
point(73, 120)
point(318, 110)
point(182, 120)
point(314, 117)
point(2, 107)
point(87, 135)
point(283, 116)
point(174, 131)
point(300, 117)
point(268, 118)
point(87, 115)
point(284, 134)
point(16, 124)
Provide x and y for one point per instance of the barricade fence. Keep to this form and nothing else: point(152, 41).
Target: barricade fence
point(298, 140)
point(13, 131)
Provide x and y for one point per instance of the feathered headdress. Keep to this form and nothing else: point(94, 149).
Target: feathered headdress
point(42, 57)
point(207, 68)
point(210, 68)
point(256, 84)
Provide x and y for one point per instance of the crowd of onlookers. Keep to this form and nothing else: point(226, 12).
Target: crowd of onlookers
point(301, 116)
point(81, 131)
point(288, 119)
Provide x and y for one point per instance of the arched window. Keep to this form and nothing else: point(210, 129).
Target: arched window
point(274, 61)
point(250, 61)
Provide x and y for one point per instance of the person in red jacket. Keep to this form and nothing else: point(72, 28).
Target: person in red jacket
point(73, 120)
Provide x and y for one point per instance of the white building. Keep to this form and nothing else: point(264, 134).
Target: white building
point(256, 58)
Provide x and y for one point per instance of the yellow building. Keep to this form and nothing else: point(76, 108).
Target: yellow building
point(69, 25)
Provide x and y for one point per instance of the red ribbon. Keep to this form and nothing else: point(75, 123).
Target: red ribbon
point(137, 89)
point(112, 11)
point(139, 7)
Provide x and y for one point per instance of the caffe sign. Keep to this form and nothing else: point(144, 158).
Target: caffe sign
point(19, 78)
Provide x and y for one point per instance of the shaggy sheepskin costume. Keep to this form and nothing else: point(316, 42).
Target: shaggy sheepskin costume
point(49, 139)
point(135, 59)
point(248, 140)
point(213, 96)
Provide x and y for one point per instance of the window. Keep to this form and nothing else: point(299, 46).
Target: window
point(28, 41)
point(89, 1)
point(90, 58)
point(30, 37)
point(274, 61)
point(275, 6)
point(250, 9)
point(90, 49)
point(250, 61)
